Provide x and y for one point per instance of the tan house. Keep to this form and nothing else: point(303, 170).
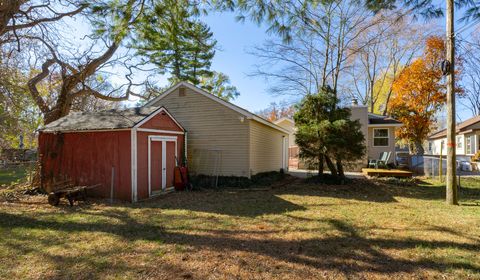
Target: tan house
point(467, 139)
point(379, 134)
point(222, 138)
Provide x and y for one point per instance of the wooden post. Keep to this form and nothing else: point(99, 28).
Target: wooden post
point(440, 164)
point(451, 155)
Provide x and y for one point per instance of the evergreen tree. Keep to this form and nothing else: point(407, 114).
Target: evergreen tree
point(176, 42)
point(219, 85)
point(326, 134)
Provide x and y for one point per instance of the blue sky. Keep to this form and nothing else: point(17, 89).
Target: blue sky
point(234, 38)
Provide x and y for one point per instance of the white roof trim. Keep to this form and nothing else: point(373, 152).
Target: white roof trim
point(156, 112)
point(284, 119)
point(233, 107)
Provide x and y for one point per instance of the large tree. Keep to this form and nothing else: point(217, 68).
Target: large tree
point(176, 42)
point(114, 25)
point(26, 15)
point(418, 94)
point(389, 45)
point(470, 52)
point(219, 85)
point(19, 117)
point(322, 38)
point(326, 134)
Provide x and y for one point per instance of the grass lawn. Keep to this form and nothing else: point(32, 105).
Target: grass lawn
point(13, 174)
point(298, 231)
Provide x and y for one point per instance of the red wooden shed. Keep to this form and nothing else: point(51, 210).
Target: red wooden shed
point(134, 151)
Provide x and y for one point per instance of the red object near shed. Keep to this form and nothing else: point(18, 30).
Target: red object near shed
point(132, 151)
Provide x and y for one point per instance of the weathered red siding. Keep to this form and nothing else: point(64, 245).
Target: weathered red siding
point(87, 158)
point(161, 121)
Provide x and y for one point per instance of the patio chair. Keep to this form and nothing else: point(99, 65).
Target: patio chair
point(381, 162)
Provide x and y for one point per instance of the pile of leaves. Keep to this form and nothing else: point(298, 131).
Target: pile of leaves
point(13, 192)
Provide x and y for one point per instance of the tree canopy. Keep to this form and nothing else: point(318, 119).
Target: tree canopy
point(174, 40)
point(325, 132)
point(418, 94)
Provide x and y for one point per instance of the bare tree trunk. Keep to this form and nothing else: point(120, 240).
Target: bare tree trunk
point(8, 9)
point(331, 166)
point(341, 172)
point(321, 164)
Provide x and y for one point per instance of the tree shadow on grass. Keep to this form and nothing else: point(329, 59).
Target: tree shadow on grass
point(227, 202)
point(346, 251)
point(355, 189)
point(376, 191)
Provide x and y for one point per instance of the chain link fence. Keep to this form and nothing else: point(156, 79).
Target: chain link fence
point(435, 166)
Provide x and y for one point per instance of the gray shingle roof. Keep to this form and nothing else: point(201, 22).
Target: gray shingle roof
point(459, 127)
point(379, 119)
point(109, 119)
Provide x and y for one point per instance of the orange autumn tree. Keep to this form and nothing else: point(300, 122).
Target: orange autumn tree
point(419, 93)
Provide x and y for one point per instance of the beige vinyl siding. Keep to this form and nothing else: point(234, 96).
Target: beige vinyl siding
point(374, 152)
point(290, 127)
point(215, 133)
point(360, 113)
point(266, 148)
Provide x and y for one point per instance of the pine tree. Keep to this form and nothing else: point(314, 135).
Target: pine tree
point(219, 85)
point(326, 134)
point(176, 42)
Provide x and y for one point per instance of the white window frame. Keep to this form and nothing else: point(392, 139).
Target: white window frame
point(469, 144)
point(459, 140)
point(388, 137)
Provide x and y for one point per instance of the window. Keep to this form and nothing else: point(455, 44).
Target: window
point(459, 142)
point(380, 137)
point(468, 144)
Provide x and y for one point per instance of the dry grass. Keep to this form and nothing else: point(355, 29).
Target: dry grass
point(299, 231)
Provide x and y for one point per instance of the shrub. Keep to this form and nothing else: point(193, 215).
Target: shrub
point(327, 179)
point(260, 179)
point(476, 157)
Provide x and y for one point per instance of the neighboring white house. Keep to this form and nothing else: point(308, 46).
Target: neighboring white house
point(379, 134)
point(467, 139)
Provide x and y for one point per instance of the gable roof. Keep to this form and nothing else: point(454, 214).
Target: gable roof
point(375, 119)
point(215, 98)
point(284, 119)
point(460, 127)
point(101, 120)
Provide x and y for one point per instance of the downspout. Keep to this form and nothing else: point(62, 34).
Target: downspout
point(185, 149)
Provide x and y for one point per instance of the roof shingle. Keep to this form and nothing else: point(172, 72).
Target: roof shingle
point(460, 127)
point(108, 119)
point(380, 119)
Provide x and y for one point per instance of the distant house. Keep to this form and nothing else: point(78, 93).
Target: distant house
point(379, 134)
point(467, 139)
point(222, 138)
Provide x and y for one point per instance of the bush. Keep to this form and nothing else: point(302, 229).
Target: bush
point(260, 179)
point(476, 157)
